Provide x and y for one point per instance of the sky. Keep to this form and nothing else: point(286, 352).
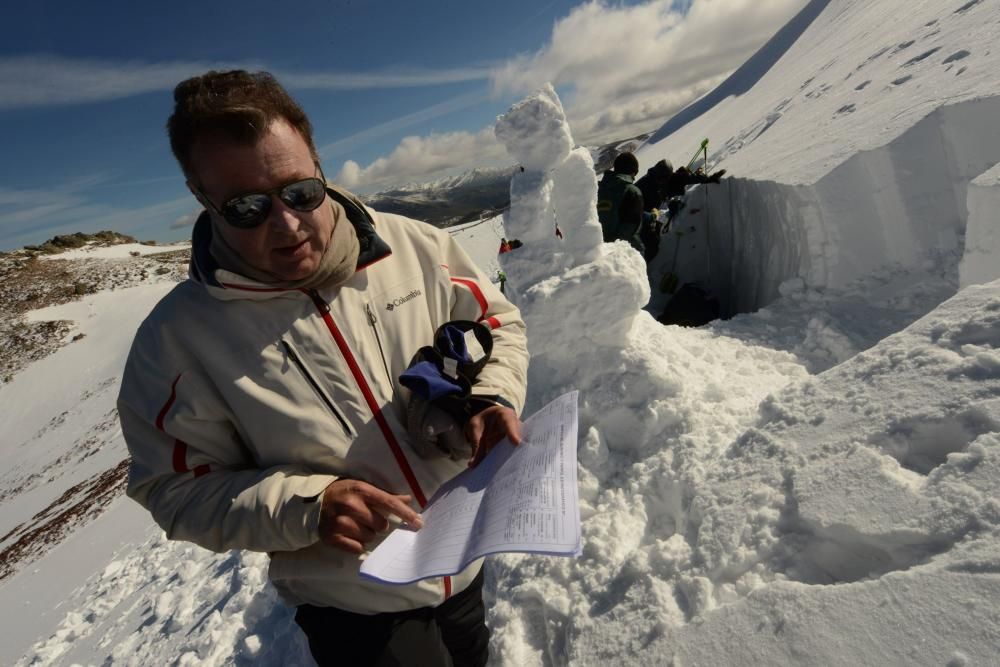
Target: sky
point(397, 91)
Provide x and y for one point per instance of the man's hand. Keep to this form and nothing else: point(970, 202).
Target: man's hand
point(354, 511)
point(489, 427)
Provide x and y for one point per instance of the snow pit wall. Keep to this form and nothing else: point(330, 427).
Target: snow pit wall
point(893, 204)
point(980, 263)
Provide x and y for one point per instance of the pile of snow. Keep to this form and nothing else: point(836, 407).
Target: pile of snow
point(699, 506)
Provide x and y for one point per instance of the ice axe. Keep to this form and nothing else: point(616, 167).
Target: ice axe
point(703, 148)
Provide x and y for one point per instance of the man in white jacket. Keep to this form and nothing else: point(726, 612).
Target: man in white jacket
point(261, 400)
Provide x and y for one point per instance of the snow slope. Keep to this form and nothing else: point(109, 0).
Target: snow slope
point(813, 483)
point(855, 147)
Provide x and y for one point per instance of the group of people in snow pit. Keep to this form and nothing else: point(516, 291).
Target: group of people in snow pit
point(628, 209)
point(263, 400)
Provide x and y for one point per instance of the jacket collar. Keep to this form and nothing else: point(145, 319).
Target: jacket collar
point(628, 178)
point(204, 269)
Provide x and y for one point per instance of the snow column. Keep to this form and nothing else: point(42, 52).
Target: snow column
point(575, 289)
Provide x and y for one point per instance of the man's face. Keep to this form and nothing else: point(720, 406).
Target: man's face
point(289, 244)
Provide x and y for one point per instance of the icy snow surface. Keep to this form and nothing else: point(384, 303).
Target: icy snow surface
point(116, 251)
point(815, 482)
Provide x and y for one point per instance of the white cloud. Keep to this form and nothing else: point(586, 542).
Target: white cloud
point(418, 157)
point(623, 69)
point(43, 80)
point(613, 56)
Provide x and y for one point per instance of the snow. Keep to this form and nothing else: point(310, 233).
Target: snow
point(982, 234)
point(855, 147)
point(813, 481)
point(91, 251)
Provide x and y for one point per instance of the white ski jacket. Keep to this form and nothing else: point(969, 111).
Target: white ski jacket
point(240, 403)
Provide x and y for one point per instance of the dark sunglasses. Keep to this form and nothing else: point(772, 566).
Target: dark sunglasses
point(250, 210)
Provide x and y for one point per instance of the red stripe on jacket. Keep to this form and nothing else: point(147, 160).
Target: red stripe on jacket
point(366, 392)
point(180, 447)
point(169, 404)
point(180, 460)
point(484, 305)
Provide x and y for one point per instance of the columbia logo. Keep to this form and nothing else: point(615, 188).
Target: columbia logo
point(392, 305)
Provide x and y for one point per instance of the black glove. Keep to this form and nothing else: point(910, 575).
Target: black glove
point(717, 176)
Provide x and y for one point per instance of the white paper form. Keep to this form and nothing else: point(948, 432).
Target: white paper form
point(518, 499)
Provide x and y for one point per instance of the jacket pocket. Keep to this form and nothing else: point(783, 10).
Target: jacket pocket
point(312, 379)
point(373, 323)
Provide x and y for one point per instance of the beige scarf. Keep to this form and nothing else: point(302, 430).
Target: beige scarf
point(337, 265)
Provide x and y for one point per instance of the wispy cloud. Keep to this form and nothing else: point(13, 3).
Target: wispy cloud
point(188, 219)
point(436, 111)
point(32, 216)
point(47, 80)
point(30, 81)
point(402, 78)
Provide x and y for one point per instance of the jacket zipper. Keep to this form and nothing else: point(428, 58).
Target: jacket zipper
point(378, 339)
point(366, 391)
point(324, 310)
point(297, 360)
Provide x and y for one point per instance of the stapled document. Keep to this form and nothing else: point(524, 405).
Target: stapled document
point(518, 499)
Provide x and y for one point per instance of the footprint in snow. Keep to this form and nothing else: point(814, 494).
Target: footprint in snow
point(904, 46)
point(862, 85)
point(901, 80)
point(923, 56)
point(961, 70)
point(874, 56)
point(958, 55)
point(967, 6)
point(847, 108)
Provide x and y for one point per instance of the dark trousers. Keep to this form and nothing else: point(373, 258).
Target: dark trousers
point(453, 633)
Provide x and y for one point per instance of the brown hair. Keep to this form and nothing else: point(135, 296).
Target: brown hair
point(236, 106)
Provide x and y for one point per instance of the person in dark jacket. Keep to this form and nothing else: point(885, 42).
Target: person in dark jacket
point(661, 182)
point(659, 185)
point(620, 203)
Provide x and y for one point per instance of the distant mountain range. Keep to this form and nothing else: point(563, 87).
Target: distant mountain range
point(473, 195)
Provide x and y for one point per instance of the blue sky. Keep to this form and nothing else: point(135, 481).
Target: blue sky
point(397, 91)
